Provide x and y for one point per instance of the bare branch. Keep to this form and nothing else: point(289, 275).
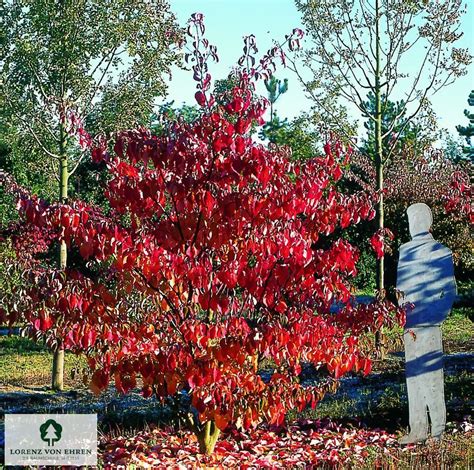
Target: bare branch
point(356, 36)
point(35, 136)
point(369, 28)
point(104, 73)
point(46, 98)
point(79, 161)
point(320, 103)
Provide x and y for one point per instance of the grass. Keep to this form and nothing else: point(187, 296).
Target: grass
point(456, 452)
point(458, 333)
point(458, 330)
point(382, 401)
point(24, 363)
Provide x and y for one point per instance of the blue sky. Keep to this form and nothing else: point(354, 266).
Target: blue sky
point(227, 21)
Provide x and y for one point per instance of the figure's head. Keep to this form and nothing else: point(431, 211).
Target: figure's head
point(420, 219)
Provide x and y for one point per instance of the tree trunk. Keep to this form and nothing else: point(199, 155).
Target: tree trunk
point(379, 157)
point(380, 222)
point(379, 146)
point(58, 353)
point(58, 368)
point(207, 437)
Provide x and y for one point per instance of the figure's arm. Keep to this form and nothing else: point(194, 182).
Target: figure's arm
point(399, 283)
point(453, 288)
point(453, 278)
point(450, 290)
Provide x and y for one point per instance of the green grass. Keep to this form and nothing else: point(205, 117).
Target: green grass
point(458, 330)
point(458, 333)
point(17, 344)
point(369, 291)
point(24, 363)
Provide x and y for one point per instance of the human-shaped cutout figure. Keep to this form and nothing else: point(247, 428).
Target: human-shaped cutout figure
point(425, 277)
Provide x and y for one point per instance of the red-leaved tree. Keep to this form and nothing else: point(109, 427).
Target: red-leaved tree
point(218, 253)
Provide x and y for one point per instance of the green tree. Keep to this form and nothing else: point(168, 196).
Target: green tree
point(411, 137)
point(224, 86)
point(362, 47)
point(468, 131)
point(275, 88)
point(300, 135)
point(66, 64)
point(168, 113)
point(452, 146)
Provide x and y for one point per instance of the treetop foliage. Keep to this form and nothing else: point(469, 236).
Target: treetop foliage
point(94, 62)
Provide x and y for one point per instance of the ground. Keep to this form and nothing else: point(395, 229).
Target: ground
point(345, 427)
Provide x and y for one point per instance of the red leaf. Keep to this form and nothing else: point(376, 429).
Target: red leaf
point(208, 203)
point(376, 241)
point(99, 381)
point(221, 420)
point(264, 176)
point(200, 98)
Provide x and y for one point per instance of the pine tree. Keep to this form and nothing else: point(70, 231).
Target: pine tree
point(468, 131)
point(275, 89)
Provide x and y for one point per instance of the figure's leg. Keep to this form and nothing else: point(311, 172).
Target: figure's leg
point(418, 417)
point(418, 413)
point(435, 384)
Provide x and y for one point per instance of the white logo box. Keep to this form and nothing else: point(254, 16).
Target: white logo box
point(51, 439)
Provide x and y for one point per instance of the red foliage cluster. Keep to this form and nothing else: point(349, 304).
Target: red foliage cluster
point(446, 187)
point(377, 240)
point(433, 178)
point(458, 198)
point(215, 256)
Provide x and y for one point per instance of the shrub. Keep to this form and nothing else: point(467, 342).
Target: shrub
point(212, 259)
